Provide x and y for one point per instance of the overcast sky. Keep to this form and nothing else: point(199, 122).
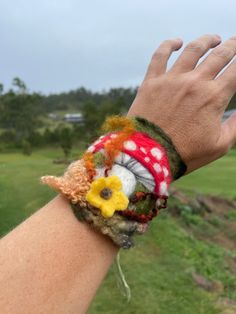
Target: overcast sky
point(63, 44)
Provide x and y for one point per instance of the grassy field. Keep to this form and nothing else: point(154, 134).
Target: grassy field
point(159, 269)
point(218, 178)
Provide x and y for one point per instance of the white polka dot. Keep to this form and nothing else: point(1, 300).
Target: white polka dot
point(97, 142)
point(166, 172)
point(147, 159)
point(157, 168)
point(101, 137)
point(130, 145)
point(156, 153)
point(163, 188)
point(91, 149)
point(113, 135)
point(143, 150)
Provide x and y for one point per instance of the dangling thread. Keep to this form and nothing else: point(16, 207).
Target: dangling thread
point(122, 283)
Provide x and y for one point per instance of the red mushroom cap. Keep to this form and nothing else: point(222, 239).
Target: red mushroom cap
point(148, 152)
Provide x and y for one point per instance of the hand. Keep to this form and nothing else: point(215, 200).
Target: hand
point(188, 101)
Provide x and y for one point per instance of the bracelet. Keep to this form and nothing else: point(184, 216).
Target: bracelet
point(121, 182)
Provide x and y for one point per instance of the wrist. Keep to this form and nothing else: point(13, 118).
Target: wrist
point(177, 165)
point(122, 180)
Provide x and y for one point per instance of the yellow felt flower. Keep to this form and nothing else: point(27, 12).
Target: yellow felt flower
point(106, 194)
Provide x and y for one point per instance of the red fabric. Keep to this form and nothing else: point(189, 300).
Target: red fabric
point(148, 152)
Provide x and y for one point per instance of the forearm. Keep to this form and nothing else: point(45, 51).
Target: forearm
point(52, 263)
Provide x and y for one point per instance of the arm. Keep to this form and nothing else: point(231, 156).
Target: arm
point(52, 263)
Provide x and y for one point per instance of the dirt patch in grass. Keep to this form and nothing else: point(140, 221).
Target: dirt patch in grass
point(209, 218)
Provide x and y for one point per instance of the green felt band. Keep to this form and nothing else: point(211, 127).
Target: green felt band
point(177, 165)
point(118, 228)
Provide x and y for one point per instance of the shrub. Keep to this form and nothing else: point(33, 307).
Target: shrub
point(26, 148)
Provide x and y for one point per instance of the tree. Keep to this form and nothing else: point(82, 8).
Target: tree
point(20, 85)
point(66, 140)
point(26, 148)
point(1, 89)
point(94, 115)
point(20, 112)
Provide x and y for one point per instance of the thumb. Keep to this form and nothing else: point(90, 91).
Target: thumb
point(228, 132)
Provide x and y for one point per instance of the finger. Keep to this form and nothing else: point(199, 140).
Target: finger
point(218, 59)
point(161, 56)
point(228, 134)
point(228, 79)
point(193, 52)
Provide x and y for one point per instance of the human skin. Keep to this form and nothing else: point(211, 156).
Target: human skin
point(188, 101)
point(52, 263)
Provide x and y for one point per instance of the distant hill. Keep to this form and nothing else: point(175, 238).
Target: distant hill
point(75, 99)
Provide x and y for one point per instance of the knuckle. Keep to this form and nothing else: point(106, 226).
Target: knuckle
point(189, 85)
point(223, 52)
point(196, 46)
point(215, 95)
point(191, 81)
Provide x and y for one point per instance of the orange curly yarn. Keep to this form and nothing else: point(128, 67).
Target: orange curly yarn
point(112, 148)
point(89, 164)
point(74, 184)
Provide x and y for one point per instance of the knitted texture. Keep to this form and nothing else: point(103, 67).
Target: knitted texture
point(148, 152)
point(122, 180)
point(178, 167)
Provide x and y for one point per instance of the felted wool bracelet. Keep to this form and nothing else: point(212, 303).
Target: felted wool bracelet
point(122, 180)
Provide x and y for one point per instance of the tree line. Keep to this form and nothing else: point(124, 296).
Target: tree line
point(24, 115)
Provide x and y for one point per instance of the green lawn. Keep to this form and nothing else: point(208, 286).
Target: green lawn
point(159, 269)
point(217, 178)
